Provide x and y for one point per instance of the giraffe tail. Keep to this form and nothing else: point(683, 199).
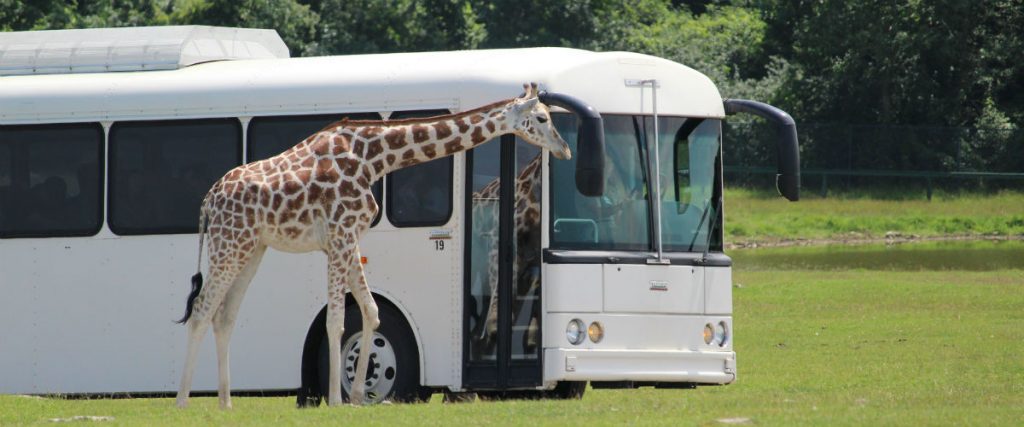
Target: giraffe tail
point(197, 285)
point(197, 279)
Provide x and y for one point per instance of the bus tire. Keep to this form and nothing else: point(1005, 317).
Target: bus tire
point(564, 390)
point(393, 373)
point(568, 390)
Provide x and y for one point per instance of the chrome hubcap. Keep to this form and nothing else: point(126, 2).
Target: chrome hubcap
point(382, 369)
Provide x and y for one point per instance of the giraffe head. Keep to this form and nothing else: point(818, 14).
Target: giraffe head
point(531, 121)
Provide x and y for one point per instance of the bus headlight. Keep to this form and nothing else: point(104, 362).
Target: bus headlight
point(595, 332)
point(574, 332)
point(717, 334)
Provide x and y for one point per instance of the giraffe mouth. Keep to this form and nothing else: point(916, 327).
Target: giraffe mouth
point(563, 154)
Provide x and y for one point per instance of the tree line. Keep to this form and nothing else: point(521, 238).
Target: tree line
point(952, 65)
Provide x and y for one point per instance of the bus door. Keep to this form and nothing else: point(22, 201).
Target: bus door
point(501, 325)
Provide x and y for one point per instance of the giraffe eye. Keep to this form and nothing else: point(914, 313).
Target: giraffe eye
point(542, 119)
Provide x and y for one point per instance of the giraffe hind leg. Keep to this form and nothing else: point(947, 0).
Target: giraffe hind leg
point(197, 326)
point(207, 305)
point(224, 323)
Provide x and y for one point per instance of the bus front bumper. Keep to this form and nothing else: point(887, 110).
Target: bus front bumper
point(680, 366)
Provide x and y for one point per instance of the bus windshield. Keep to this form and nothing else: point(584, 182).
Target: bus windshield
point(621, 219)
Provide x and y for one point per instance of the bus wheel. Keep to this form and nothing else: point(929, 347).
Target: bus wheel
point(393, 373)
point(563, 390)
point(567, 390)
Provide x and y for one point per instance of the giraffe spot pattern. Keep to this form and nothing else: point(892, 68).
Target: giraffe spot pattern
point(346, 189)
point(442, 130)
point(373, 148)
point(453, 146)
point(369, 132)
point(420, 134)
point(341, 145)
point(348, 166)
point(291, 187)
point(478, 136)
point(395, 139)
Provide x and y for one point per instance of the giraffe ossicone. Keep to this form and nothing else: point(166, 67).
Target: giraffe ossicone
point(316, 196)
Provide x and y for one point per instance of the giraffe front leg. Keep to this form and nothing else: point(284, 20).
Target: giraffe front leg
point(336, 273)
point(368, 308)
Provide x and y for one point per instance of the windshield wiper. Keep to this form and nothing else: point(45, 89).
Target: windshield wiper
point(711, 228)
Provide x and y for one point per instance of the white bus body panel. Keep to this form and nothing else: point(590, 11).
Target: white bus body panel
point(671, 289)
point(97, 315)
point(653, 319)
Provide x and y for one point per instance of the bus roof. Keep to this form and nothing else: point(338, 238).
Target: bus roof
point(457, 80)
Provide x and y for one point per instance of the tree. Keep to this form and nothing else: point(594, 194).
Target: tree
point(18, 15)
point(369, 26)
point(907, 62)
point(723, 43)
point(294, 22)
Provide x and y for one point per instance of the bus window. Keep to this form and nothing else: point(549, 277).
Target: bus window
point(160, 171)
point(51, 180)
point(269, 136)
point(420, 195)
point(689, 151)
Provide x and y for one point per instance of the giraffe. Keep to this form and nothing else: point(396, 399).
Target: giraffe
point(316, 196)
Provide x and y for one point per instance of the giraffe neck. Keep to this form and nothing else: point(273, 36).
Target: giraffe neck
point(403, 143)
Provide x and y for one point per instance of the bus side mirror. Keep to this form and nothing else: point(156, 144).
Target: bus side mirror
point(589, 142)
point(787, 178)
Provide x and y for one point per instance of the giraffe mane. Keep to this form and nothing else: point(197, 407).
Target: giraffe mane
point(345, 122)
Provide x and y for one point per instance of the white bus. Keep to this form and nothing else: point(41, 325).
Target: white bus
point(109, 139)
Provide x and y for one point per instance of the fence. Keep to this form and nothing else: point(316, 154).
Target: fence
point(882, 155)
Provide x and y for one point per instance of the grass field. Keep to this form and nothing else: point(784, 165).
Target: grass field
point(911, 345)
point(762, 217)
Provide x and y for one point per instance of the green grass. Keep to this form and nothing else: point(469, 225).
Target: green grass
point(753, 216)
point(815, 347)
